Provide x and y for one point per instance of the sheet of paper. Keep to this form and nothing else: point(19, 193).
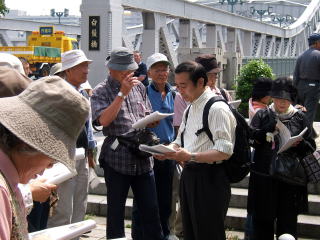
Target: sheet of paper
point(153, 117)
point(235, 103)
point(57, 174)
point(292, 140)
point(64, 232)
point(159, 149)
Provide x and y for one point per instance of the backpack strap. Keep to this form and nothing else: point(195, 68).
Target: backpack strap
point(205, 116)
point(223, 93)
point(185, 124)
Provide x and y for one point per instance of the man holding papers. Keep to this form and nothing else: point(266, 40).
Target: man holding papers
point(271, 200)
point(204, 185)
point(118, 103)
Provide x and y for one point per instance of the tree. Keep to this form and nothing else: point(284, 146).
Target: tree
point(3, 9)
point(252, 70)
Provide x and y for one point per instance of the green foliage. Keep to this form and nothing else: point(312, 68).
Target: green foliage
point(252, 70)
point(3, 9)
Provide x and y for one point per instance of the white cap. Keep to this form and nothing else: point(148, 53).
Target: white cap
point(286, 236)
point(73, 58)
point(86, 85)
point(155, 58)
point(11, 61)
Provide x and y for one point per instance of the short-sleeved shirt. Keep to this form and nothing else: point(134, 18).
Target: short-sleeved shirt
point(180, 106)
point(134, 107)
point(164, 130)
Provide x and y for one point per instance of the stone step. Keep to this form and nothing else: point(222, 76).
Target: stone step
point(238, 197)
point(308, 226)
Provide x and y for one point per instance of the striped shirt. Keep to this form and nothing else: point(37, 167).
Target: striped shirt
point(222, 125)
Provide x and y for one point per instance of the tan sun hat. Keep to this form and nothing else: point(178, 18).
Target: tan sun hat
point(49, 116)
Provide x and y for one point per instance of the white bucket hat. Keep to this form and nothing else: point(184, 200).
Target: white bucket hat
point(49, 116)
point(11, 61)
point(156, 58)
point(73, 58)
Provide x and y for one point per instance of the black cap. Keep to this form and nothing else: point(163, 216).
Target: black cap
point(313, 38)
point(283, 88)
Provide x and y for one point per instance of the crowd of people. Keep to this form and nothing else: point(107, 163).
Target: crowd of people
point(43, 122)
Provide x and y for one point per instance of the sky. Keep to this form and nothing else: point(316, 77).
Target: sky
point(42, 7)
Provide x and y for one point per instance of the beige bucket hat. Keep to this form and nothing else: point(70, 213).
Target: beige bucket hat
point(49, 116)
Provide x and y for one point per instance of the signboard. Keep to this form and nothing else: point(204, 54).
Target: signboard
point(47, 30)
point(94, 33)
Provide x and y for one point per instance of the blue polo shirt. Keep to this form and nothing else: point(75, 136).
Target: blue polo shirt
point(164, 130)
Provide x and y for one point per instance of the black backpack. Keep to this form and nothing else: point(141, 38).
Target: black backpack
point(238, 165)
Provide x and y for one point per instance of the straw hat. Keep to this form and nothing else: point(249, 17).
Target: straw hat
point(73, 58)
point(12, 82)
point(49, 116)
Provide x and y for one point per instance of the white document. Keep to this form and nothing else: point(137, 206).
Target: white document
point(64, 232)
point(286, 141)
point(235, 103)
point(153, 117)
point(57, 174)
point(159, 149)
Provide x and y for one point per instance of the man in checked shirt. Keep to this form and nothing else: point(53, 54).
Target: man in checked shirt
point(117, 103)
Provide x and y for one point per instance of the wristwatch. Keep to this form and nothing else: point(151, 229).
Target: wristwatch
point(120, 94)
point(193, 157)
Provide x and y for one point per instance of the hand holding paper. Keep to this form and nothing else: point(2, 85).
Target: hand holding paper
point(153, 117)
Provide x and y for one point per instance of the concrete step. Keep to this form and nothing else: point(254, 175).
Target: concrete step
point(308, 226)
point(238, 197)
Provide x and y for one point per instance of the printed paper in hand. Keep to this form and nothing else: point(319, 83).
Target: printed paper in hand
point(153, 117)
point(286, 141)
point(159, 149)
point(64, 232)
point(57, 174)
point(235, 104)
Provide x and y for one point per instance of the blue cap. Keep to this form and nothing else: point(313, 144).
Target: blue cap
point(313, 38)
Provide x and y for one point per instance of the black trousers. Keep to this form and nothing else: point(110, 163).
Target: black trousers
point(284, 218)
point(163, 174)
point(204, 195)
point(144, 190)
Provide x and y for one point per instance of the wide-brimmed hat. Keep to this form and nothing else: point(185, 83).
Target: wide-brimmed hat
point(9, 60)
point(121, 59)
point(157, 58)
point(209, 62)
point(12, 82)
point(283, 88)
point(55, 69)
point(73, 58)
point(49, 116)
point(261, 87)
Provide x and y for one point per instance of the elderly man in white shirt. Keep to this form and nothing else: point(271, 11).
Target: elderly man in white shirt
point(204, 188)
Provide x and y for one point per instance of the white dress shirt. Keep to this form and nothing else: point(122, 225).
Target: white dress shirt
point(222, 125)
